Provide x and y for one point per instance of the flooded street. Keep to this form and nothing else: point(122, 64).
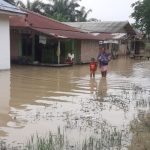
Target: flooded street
point(42, 99)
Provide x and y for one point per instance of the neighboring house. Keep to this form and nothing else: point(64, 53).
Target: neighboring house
point(117, 36)
point(6, 10)
point(39, 39)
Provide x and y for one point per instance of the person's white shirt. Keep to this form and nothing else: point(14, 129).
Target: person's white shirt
point(71, 56)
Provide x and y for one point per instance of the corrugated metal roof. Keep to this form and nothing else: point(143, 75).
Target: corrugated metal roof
point(103, 27)
point(110, 36)
point(18, 21)
point(119, 35)
point(6, 7)
point(63, 34)
point(104, 36)
point(49, 26)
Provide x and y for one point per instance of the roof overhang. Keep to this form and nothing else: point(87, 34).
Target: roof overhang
point(12, 13)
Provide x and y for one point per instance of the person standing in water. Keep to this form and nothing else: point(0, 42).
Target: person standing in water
point(103, 59)
point(93, 67)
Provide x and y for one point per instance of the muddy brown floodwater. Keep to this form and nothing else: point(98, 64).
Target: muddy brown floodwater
point(42, 99)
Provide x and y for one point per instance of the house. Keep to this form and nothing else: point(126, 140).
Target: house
point(6, 10)
point(117, 36)
point(41, 40)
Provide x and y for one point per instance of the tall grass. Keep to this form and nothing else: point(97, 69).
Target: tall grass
point(107, 139)
point(50, 142)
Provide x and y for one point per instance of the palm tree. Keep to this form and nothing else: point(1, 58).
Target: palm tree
point(20, 4)
point(62, 10)
point(66, 10)
point(36, 5)
point(82, 14)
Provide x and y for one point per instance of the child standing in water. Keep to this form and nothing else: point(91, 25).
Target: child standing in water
point(93, 67)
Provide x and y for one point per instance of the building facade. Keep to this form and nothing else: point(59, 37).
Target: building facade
point(37, 39)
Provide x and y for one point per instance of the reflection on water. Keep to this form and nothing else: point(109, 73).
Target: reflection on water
point(93, 85)
point(102, 89)
point(41, 99)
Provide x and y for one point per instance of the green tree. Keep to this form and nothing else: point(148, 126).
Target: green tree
point(66, 10)
point(62, 10)
point(59, 10)
point(36, 6)
point(141, 15)
point(82, 14)
point(21, 4)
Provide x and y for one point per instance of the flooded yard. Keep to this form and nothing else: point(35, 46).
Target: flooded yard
point(96, 112)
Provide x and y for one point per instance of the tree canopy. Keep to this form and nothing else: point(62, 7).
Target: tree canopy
point(62, 10)
point(66, 10)
point(141, 15)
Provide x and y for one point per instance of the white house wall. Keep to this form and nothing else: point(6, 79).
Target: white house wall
point(4, 42)
point(5, 91)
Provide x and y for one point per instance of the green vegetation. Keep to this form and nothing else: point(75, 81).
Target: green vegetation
point(108, 138)
point(141, 15)
point(62, 10)
point(51, 142)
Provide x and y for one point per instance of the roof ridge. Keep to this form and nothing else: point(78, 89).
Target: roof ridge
point(126, 21)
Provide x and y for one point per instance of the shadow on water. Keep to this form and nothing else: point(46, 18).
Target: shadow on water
point(89, 112)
